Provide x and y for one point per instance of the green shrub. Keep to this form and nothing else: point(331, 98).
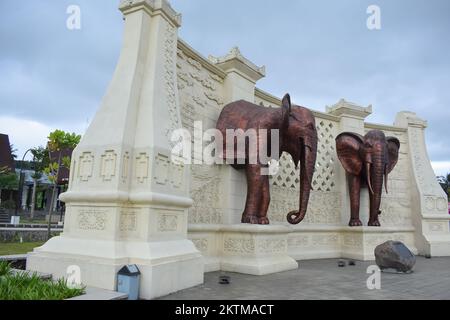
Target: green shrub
point(24, 286)
point(5, 268)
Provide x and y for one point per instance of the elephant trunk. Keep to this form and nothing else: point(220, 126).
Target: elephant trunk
point(308, 163)
point(377, 174)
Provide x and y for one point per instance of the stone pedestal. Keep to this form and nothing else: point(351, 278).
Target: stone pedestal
point(127, 201)
point(248, 249)
point(256, 250)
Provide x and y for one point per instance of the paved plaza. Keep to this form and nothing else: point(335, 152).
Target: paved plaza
point(323, 279)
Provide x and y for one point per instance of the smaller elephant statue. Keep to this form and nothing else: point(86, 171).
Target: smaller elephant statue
point(367, 161)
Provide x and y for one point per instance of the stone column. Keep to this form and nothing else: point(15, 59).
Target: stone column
point(429, 203)
point(127, 201)
point(240, 84)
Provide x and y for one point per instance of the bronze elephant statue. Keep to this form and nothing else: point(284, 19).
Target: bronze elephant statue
point(297, 136)
point(367, 161)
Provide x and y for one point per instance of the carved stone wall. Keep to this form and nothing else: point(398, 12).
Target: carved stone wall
point(396, 205)
point(204, 86)
point(201, 99)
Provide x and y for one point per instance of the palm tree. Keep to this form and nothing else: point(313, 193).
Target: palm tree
point(13, 151)
point(40, 161)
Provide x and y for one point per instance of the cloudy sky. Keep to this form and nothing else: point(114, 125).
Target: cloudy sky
point(319, 51)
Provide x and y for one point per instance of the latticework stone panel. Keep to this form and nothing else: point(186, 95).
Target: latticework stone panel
point(324, 176)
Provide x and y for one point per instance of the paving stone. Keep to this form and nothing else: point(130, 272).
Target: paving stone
point(322, 279)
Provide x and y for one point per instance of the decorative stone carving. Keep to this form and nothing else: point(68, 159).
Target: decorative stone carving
point(197, 65)
point(142, 167)
point(214, 97)
point(239, 245)
point(436, 227)
point(92, 219)
point(167, 222)
point(353, 240)
point(86, 166)
point(205, 193)
point(125, 167)
point(201, 244)
point(171, 79)
point(128, 220)
point(108, 165)
point(162, 164)
point(177, 176)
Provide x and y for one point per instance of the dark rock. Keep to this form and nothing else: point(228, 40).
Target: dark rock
point(351, 263)
point(394, 255)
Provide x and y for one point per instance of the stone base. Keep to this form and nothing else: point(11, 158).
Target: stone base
point(260, 249)
point(166, 267)
point(312, 242)
point(247, 249)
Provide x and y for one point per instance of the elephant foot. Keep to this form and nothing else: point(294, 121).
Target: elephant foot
point(250, 219)
point(355, 223)
point(374, 223)
point(263, 221)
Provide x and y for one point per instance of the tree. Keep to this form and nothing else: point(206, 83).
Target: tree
point(13, 151)
point(8, 180)
point(444, 181)
point(58, 141)
point(40, 162)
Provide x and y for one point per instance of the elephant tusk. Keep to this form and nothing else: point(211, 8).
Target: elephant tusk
point(369, 181)
point(386, 182)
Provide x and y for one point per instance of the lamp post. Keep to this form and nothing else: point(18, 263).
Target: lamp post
point(21, 181)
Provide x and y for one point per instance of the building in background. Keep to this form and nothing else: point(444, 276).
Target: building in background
point(6, 158)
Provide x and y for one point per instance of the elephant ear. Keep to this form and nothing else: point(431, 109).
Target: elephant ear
point(393, 145)
point(286, 107)
point(348, 145)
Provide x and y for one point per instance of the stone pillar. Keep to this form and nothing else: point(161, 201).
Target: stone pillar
point(429, 203)
point(240, 84)
point(352, 120)
point(127, 201)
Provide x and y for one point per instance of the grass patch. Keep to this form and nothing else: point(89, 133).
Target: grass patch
point(24, 286)
point(33, 221)
point(7, 249)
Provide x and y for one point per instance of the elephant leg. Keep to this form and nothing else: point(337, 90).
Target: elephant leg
point(265, 201)
point(250, 214)
point(354, 185)
point(375, 201)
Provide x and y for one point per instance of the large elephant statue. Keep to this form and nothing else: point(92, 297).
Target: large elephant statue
point(297, 136)
point(367, 161)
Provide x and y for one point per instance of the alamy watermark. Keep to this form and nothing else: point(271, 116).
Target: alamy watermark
point(374, 281)
point(237, 147)
point(73, 21)
point(374, 19)
point(73, 275)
